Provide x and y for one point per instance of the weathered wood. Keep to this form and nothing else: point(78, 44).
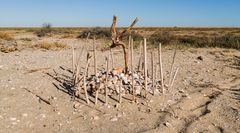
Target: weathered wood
point(112, 58)
point(132, 69)
point(116, 39)
point(84, 80)
point(171, 70)
point(145, 66)
point(120, 91)
point(174, 77)
point(160, 66)
point(95, 68)
point(140, 57)
point(106, 82)
point(153, 76)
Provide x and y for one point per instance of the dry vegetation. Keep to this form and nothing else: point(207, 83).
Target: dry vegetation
point(5, 36)
point(51, 46)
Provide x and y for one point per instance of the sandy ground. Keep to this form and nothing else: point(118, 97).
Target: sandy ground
point(205, 96)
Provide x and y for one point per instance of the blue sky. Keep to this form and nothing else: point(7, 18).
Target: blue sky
point(25, 13)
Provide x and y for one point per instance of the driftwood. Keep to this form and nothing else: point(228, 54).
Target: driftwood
point(116, 39)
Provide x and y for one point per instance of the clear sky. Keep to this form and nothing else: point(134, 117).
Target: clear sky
point(25, 13)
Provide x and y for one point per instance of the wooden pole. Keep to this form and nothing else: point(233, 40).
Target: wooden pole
point(120, 91)
point(73, 62)
point(175, 74)
point(95, 68)
point(106, 83)
point(112, 60)
point(170, 76)
point(84, 81)
point(160, 66)
point(132, 69)
point(153, 76)
point(129, 44)
point(145, 65)
point(140, 57)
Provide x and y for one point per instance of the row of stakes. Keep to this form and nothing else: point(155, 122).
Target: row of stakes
point(118, 81)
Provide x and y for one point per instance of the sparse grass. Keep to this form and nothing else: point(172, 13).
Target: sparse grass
point(5, 36)
point(51, 46)
point(205, 40)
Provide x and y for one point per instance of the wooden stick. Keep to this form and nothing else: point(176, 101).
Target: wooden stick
point(84, 81)
point(106, 86)
point(140, 57)
point(129, 44)
point(175, 74)
point(132, 69)
point(73, 63)
point(160, 66)
point(145, 65)
point(153, 78)
point(95, 67)
point(112, 60)
point(170, 76)
point(120, 91)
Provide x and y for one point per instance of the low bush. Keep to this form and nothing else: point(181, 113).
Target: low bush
point(51, 46)
point(5, 36)
point(45, 30)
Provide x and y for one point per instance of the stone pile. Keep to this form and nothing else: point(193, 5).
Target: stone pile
point(119, 81)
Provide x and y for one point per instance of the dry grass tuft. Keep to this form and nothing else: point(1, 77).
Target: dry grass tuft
point(5, 36)
point(52, 46)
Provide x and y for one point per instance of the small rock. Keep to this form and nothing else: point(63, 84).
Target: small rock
point(25, 115)
point(13, 118)
point(96, 118)
point(114, 119)
point(200, 58)
point(167, 124)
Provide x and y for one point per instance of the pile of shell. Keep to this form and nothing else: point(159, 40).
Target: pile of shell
point(119, 81)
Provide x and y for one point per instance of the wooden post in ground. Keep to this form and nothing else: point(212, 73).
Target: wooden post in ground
point(145, 66)
point(95, 67)
point(170, 76)
point(106, 82)
point(153, 76)
point(140, 57)
point(84, 81)
point(120, 92)
point(132, 69)
point(73, 63)
point(160, 66)
point(175, 74)
point(112, 60)
point(129, 45)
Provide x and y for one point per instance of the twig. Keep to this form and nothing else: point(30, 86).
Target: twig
point(160, 66)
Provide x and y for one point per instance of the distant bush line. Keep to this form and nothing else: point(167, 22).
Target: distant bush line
point(227, 40)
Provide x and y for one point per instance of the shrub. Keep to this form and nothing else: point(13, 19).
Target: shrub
point(98, 33)
point(164, 37)
point(104, 33)
point(5, 36)
point(51, 46)
point(45, 30)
